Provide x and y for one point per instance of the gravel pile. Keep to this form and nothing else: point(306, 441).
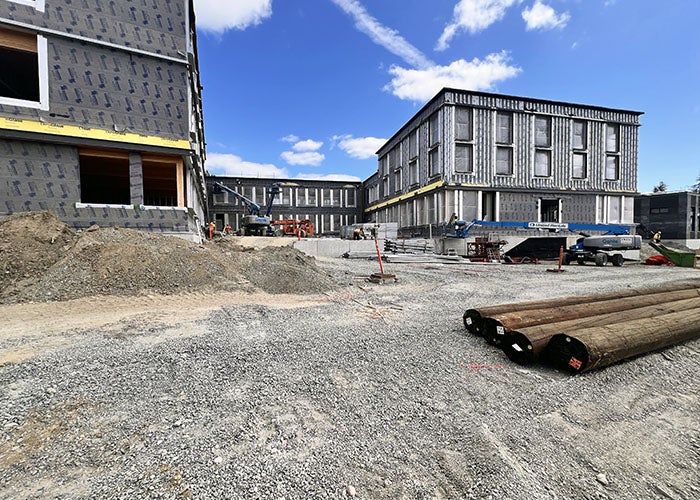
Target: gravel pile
point(378, 393)
point(42, 259)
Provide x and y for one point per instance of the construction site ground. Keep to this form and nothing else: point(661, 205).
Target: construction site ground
point(141, 366)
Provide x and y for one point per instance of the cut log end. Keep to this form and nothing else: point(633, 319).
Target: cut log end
point(494, 332)
point(473, 321)
point(567, 353)
point(518, 348)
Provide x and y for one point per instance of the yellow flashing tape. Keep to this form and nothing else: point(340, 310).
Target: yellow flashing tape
point(21, 125)
point(410, 194)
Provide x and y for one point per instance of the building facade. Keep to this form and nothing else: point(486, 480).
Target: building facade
point(675, 215)
point(502, 158)
point(329, 205)
point(101, 115)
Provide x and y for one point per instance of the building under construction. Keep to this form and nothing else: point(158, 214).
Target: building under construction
point(503, 158)
point(101, 114)
point(329, 205)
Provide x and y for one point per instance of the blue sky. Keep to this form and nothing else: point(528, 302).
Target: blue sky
point(312, 88)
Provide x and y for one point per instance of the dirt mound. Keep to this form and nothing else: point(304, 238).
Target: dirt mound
point(42, 259)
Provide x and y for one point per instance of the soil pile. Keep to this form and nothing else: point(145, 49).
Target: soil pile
point(42, 259)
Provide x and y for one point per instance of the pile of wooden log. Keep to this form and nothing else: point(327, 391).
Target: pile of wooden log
point(583, 333)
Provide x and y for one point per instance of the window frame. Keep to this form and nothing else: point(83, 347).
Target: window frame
point(616, 159)
point(39, 5)
point(509, 149)
point(499, 128)
point(584, 166)
point(470, 157)
point(546, 153)
point(42, 75)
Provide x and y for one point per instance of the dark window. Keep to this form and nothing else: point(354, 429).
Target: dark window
point(104, 178)
point(19, 78)
point(159, 182)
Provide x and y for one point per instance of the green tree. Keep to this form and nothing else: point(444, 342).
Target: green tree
point(660, 187)
point(696, 186)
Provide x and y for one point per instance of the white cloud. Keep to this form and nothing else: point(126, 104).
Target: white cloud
point(216, 16)
point(541, 16)
point(328, 177)
point(307, 145)
point(290, 138)
point(310, 158)
point(382, 35)
point(421, 85)
point(361, 148)
point(473, 16)
point(228, 164)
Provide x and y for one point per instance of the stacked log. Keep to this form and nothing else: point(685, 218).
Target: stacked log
point(495, 327)
point(473, 318)
point(588, 332)
point(597, 347)
point(525, 345)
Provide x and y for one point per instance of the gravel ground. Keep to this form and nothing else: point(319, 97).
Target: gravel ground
point(371, 391)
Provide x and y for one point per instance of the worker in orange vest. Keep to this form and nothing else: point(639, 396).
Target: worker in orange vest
point(212, 227)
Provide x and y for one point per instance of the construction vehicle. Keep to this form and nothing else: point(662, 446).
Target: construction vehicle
point(616, 245)
point(297, 227)
point(254, 223)
point(461, 229)
point(601, 249)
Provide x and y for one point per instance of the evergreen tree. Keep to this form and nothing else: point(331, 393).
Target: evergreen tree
point(660, 187)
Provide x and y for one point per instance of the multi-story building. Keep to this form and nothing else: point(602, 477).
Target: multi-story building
point(675, 215)
point(329, 205)
point(100, 113)
point(502, 158)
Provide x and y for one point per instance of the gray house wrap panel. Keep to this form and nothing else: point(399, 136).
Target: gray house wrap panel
point(158, 27)
point(496, 157)
point(119, 113)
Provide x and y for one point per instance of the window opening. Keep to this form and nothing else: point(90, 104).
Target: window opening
point(159, 181)
point(543, 163)
point(104, 177)
point(464, 159)
point(504, 160)
point(549, 210)
point(19, 59)
point(463, 124)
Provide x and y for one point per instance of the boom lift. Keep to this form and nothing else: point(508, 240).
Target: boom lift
point(616, 245)
point(254, 223)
